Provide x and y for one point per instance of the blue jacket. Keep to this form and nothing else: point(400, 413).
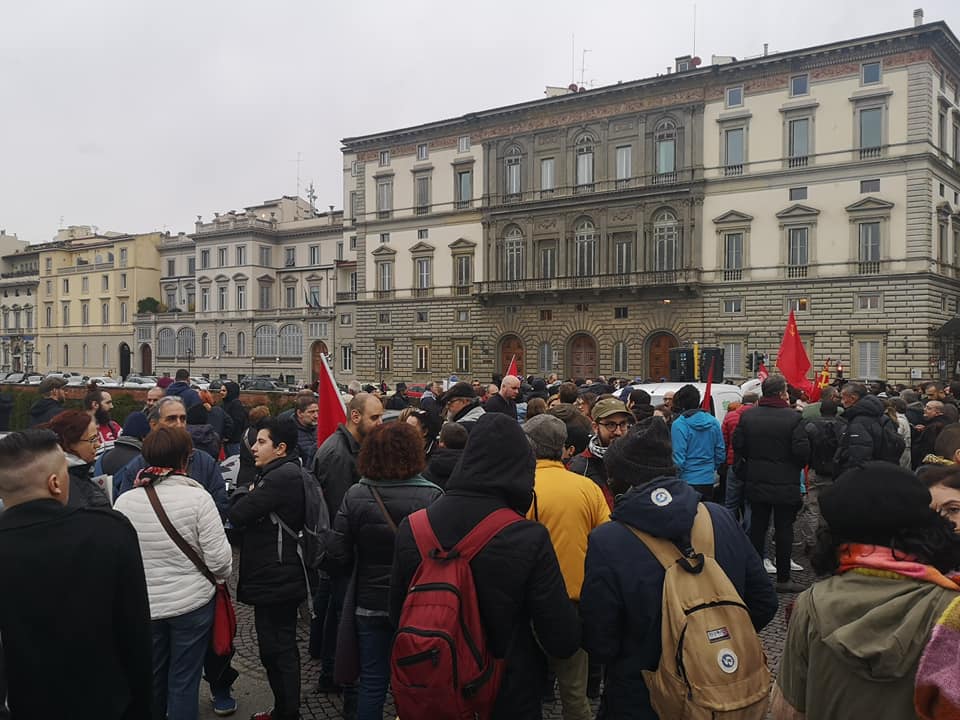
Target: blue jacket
point(201, 467)
point(620, 603)
point(186, 393)
point(698, 447)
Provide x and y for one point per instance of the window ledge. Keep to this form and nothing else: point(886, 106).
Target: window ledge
point(734, 115)
point(799, 105)
point(873, 93)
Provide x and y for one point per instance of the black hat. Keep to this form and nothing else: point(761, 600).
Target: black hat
point(643, 454)
point(458, 390)
point(873, 502)
point(401, 386)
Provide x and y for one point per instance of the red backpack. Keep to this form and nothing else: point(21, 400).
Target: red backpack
point(440, 665)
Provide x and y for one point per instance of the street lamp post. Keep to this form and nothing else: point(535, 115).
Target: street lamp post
point(189, 357)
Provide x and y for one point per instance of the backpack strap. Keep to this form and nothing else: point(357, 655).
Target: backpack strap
point(667, 553)
point(423, 534)
point(472, 543)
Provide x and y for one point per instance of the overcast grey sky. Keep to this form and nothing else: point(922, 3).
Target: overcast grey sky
point(136, 117)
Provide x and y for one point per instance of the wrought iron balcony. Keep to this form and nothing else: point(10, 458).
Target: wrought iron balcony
point(681, 279)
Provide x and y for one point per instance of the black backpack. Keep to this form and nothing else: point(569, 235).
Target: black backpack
point(316, 524)
point(824, 435)
point(887, 443)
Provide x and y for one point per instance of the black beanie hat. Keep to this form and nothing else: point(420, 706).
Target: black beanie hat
point(641, 455)
point(873, 502)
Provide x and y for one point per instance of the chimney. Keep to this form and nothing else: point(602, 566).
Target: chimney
point(766, 49)
point(918, 17)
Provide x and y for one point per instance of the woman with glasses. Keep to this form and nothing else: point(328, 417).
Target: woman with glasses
point(78, 436)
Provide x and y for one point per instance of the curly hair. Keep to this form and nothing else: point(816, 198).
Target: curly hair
point(70, 427)
point(392, 452)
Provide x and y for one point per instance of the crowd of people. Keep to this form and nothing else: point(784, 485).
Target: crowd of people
point(587, 517)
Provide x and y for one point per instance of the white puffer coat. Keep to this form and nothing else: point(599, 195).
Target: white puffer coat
point(174, 584)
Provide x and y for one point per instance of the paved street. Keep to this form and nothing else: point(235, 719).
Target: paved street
point(254, 694)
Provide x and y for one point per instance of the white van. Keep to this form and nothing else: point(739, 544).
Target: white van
point(722, 394)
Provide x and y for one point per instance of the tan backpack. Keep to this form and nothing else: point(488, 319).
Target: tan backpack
point(712, 664)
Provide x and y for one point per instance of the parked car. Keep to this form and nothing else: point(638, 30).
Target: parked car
point(262, 385)
point(78, 381)
point(104, 382)
point(721, 393)
point(139, 381)
point(33, 379)
point(416, 390)
point(200, 383)
point(14, 377)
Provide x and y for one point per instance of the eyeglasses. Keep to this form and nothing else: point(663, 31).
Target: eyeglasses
point(611, 426)
point(93, 439)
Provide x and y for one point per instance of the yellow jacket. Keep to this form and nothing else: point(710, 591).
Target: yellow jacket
point(569, 506)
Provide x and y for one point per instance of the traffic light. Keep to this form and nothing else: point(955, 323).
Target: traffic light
point(750, 356)
point(839, 371)
point(761, 359)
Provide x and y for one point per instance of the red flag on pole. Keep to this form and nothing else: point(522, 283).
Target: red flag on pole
point(706, 393)
point(332, 410)
point(792, 358)
point(512, 370)
point(762, 372)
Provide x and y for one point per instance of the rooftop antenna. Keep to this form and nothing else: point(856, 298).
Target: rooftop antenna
point(583, 65)
point(694, 53)
point(312, 196)
point(573, 58)
point(298, 172)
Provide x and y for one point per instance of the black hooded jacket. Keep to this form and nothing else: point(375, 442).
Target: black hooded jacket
point(442, 462)
point(858, 442)
point(237, 412)
point(44, 410)
point(621, 599)
point(517, 575)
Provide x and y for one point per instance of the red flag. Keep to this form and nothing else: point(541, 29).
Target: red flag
point(792, 358)
point(332, 410)
point(762, 372)
point(512, 370)
point(706, 393)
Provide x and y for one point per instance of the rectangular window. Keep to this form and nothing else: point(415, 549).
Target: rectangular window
point(384, 197)
point(548, 180)
point(733, 256)
point(798, 304)
point(289, 257)
point(49, 287)
point(422, 204)
point(423, 234)
point(383, 357)
point(353, 203)
point(623, 258)
point(666, 156)
point(191, 265)
point(733, 358)
point(464, 188)
point(241, 254)
point(171, 268)
point(463, 316)
point(423, 358)
point(315, 295)
point(735, 96)
point(799, 149)
point(123, 313)
point(318, 328)
point(624, 162)
point(354, 281)
point(423, 273)
point(66, 314)
point(205, 299)
point(868, 301)
point(384, 238)
point(104, 282)
point(105, 314)
point(422, 151)
point(241, 297)
point(355, 168)
point(222, 297)
point(585, 165)
point(869, 247)
point(868, 186)
point(548, 263)
point(386, 277)
point(171, 300)
point(221, 257)
point(290, 296)
point(346, 358)
point(733, 305)
point(871, 132)
point(870, 73)
point(123, 257)
point(942, 133)
point(314, 254)
point(463, 268)
point(799, 85)
point(423, 316)
point(462, 358)
point(733, 151)
point(84, 284)
point(266, 256)
point(621, 313)
point(868, 358)
point(463, 143)
point(798, 193)
point(797, 251)
point(265, 300)
point(512, 176)
point(384, 318)
point(84, 314)
point(346, 319)
point(340, 250)
point(353, 242)
point(66, 286)
point(546, 315)
point(384, 158)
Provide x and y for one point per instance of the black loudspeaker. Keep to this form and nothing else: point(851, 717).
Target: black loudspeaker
point(716, 355)
point(681, 364)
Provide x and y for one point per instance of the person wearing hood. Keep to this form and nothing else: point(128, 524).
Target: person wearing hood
point(127, 446)
point(770, 449)
point(621, 598)
point(230, 393)
point(863, 413)
point(202, 434)
point(855, 640)
point(450, 444)
point(698, 447)
point(181, 388)
point(520, 590)
point(461, 405)
point(538, 390)
point(79, 439)
point(51, 400)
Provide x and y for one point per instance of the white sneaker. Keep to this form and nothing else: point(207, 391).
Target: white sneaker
point(795, 566)
point(769, 566)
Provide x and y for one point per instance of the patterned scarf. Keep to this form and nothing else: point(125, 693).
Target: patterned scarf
point(880, 561)
point(936, 694)
point(149, 475)
point(596, 449)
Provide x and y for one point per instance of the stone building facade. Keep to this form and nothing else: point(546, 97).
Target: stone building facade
point(19, 276)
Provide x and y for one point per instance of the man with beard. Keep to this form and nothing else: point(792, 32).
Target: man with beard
point(51, 400)
point(305, 413)
point(153, 394)
point(461, 405)
point(98, 404)
point(335, 468)
point(611, 420)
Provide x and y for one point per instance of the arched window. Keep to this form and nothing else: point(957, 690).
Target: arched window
point(586, 249)
point(665, 138)
point(186, 342)
point(204, 345)
point(84, 356)
point(666, 241)
point(265, 341)
point(105, 313)
point(241, 344)
point(221, 343)
point(165, 343)
point(546, 358)
point(584, 151)
point(512, 170)
point(48, 316)
point(291, 341)
point(620, 357)
point(513, 254)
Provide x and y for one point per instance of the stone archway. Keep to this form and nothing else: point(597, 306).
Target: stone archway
point(511, 346)
point(659, 345)
point(583, 356)
point(124, 360)
point(146, 360)
point(317, 350)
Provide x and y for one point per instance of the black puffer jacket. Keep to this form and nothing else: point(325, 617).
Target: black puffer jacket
point(265, 578)
point(237, 412)
point(335, 466)
point(857, 444)
point(124, 450)
point(306, 442)
point(44, 410)
point(771, 446)
point(442, 462)
point(361, 533)
point(205, 438)
point(83, 491)
point(517, 576)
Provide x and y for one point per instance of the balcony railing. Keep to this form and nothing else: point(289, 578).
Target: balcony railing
point(870, 267)
point(20, 273)
point(423, 292)
point(733, 170)
point(796, 271)
point(797, 161)
point(462, 289)
point(869, 152)
point(736, 274)
point(383, 294)
point(346, 296)
point(92, 267)
point(648, 278)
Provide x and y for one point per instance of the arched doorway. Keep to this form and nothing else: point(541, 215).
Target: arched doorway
point(317, 350)
point(511, 346)
point(146, 360)
point(658, 351)
point(124, 360)
point(583, 356)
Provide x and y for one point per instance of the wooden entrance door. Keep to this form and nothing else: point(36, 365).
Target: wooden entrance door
point(316, 350)
point(511, 346)
point(659, 354)
point(583, 357)
point(146, 360)
point(124, 360)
